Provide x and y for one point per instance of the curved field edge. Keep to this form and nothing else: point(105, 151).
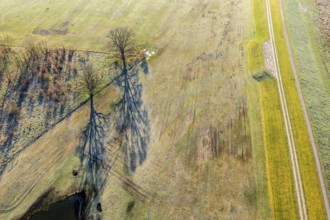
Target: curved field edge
point(311, 185)
point(279, 173)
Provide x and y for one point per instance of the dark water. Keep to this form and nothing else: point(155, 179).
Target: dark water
point(68, 209)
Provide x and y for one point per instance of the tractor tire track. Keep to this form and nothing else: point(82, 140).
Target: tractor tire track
point(309, 127)
point(292, 148)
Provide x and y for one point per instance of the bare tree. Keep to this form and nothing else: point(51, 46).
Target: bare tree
point(5, 55)
point(132, 118)
point(8, 77)
point(93, 156)
point(30, 58)
point(35, 50)
point(91, 80)
point(122, 40)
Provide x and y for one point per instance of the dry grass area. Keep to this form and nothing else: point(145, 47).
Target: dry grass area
point(46, 164)
point(40, 98)
point(195, 97)
point(201, 101)
point(323, 8)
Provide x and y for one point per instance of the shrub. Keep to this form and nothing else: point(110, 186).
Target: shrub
point(43, 70)
point(12, 109)
point(25, 85)
point(14, 133)
point(45, 76)
point(49, 64)
point(55, 71)
point(59, 68)
point(55, 97)
point(48, 110)
point(56, 79)
point(3, 139)
point(75, 71)
point(71, 52)
point(51, 91)
point(41, 92)
point(31, 94)
point(62, 90)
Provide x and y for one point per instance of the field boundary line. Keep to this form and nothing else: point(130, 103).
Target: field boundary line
point(309, 127)
point(285, 112)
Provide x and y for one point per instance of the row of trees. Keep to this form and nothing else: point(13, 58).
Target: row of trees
point(35, 72)
point(7, 75)
point(129, 117)
point(31, 76)
point(22, 70)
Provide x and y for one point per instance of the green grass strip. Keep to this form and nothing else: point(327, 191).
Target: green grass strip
point(279, 173)
point(311, 185)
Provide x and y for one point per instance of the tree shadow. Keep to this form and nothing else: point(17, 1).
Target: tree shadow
point(39, 82)
point(132, 118)
point(131, 123)
point(93, 156)
point(47, 115)
point(145, 67)
point(31, 104)
point(11, 128)
point(63, 107)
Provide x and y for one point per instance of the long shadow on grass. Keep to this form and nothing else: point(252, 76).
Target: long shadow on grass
point(93, 155)
point(132, 117)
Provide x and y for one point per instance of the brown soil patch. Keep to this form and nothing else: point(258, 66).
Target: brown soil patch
point(50, 32)
point(269, 57)
point(323, 7)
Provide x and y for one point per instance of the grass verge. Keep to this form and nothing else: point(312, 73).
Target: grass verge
point(279, 170)
point(280, 181)
point(307, 46)
point(311, 185)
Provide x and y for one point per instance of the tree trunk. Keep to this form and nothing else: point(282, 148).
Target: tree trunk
point(123, 58)
point(4, 98)
point(91, 106)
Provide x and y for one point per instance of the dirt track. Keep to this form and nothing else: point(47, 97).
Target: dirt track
point(310, 131)
point(285, 112)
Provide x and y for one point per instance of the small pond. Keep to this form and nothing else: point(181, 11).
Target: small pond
point(70, 208)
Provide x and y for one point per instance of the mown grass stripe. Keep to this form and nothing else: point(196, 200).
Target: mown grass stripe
point(280, 180)
point(311, 185)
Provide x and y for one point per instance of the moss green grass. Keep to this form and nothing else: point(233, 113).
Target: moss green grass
point(311, 185)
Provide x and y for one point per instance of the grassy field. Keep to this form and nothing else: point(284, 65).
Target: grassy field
point(255, 48)
point(311, 185)
point(314, 77)
point(180, 126)
point(256, 66)
point(43, 101)
point(281, 200)
point(281, 188)
point(199, 95)
point(47, 164)
point(85, 25)
point(279, 173)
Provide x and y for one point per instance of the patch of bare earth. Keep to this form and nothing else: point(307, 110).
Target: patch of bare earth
point(269, 57)
point(323, 7)
point(50, 32)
